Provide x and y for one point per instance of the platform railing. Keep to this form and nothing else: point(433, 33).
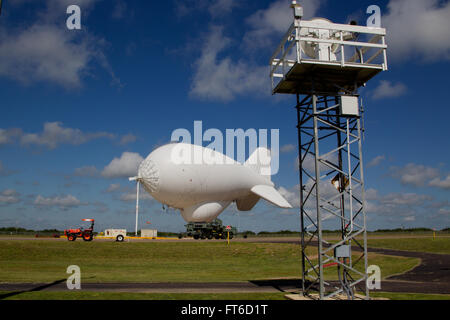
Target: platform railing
point(354, 46)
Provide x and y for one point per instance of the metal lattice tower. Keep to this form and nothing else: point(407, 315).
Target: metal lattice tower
point(332, 193)
point(324, 64)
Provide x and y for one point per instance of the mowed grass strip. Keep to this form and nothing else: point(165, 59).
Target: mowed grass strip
point(47, 261)
point(438, 245)
point(43, 261)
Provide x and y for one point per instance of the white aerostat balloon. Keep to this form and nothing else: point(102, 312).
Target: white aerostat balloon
point(202, 183)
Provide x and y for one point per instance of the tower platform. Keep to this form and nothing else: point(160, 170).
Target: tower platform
point(326, 57)
point(324, 78)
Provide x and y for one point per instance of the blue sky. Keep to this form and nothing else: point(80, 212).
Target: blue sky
point(80, 108)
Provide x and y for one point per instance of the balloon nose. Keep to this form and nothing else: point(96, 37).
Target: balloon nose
point(148, 174)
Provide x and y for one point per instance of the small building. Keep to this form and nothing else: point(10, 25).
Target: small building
point(149, 233)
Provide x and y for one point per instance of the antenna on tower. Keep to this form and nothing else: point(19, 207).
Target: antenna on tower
point(298, 9)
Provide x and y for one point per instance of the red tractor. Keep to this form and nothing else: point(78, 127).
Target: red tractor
point(86, 234)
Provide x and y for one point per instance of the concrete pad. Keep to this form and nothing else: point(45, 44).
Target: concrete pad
point(300, 297)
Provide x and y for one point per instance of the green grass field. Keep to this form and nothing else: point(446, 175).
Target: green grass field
point(45, 261)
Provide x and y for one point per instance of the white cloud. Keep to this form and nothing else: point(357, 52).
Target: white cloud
point(388, 90)
point(113, 187)
point(395, 207)
point(125, 166)
point(224, 79)
point(443, 184)
point(219, 76)
point(287, 148)
point(420, 175)
point(87, 171)
point(9, 196)
point(412, 174)
point(442, 207)
point(131, 196)
point(63, 202)
point(216, 8)
point(268, 25)
point(371, 194)
point(418, 28)
point(404, 199)
point(376, 161)
point(371, 207)
point(292, 195)
point(45, 51)
point(398, 207)
point(309, 163)
point(126, 139)
point(55, 134)
point(221, 7)
point(9, 135)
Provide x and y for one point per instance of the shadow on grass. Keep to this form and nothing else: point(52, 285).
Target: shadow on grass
point(282, 285)
point(38, 288)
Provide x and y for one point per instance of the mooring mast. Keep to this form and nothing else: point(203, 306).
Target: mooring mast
point(324, 64)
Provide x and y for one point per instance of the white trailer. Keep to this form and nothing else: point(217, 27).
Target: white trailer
point(118, 234)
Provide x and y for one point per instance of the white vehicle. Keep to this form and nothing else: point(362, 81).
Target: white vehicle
point(118, 234)
point(202, 183)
